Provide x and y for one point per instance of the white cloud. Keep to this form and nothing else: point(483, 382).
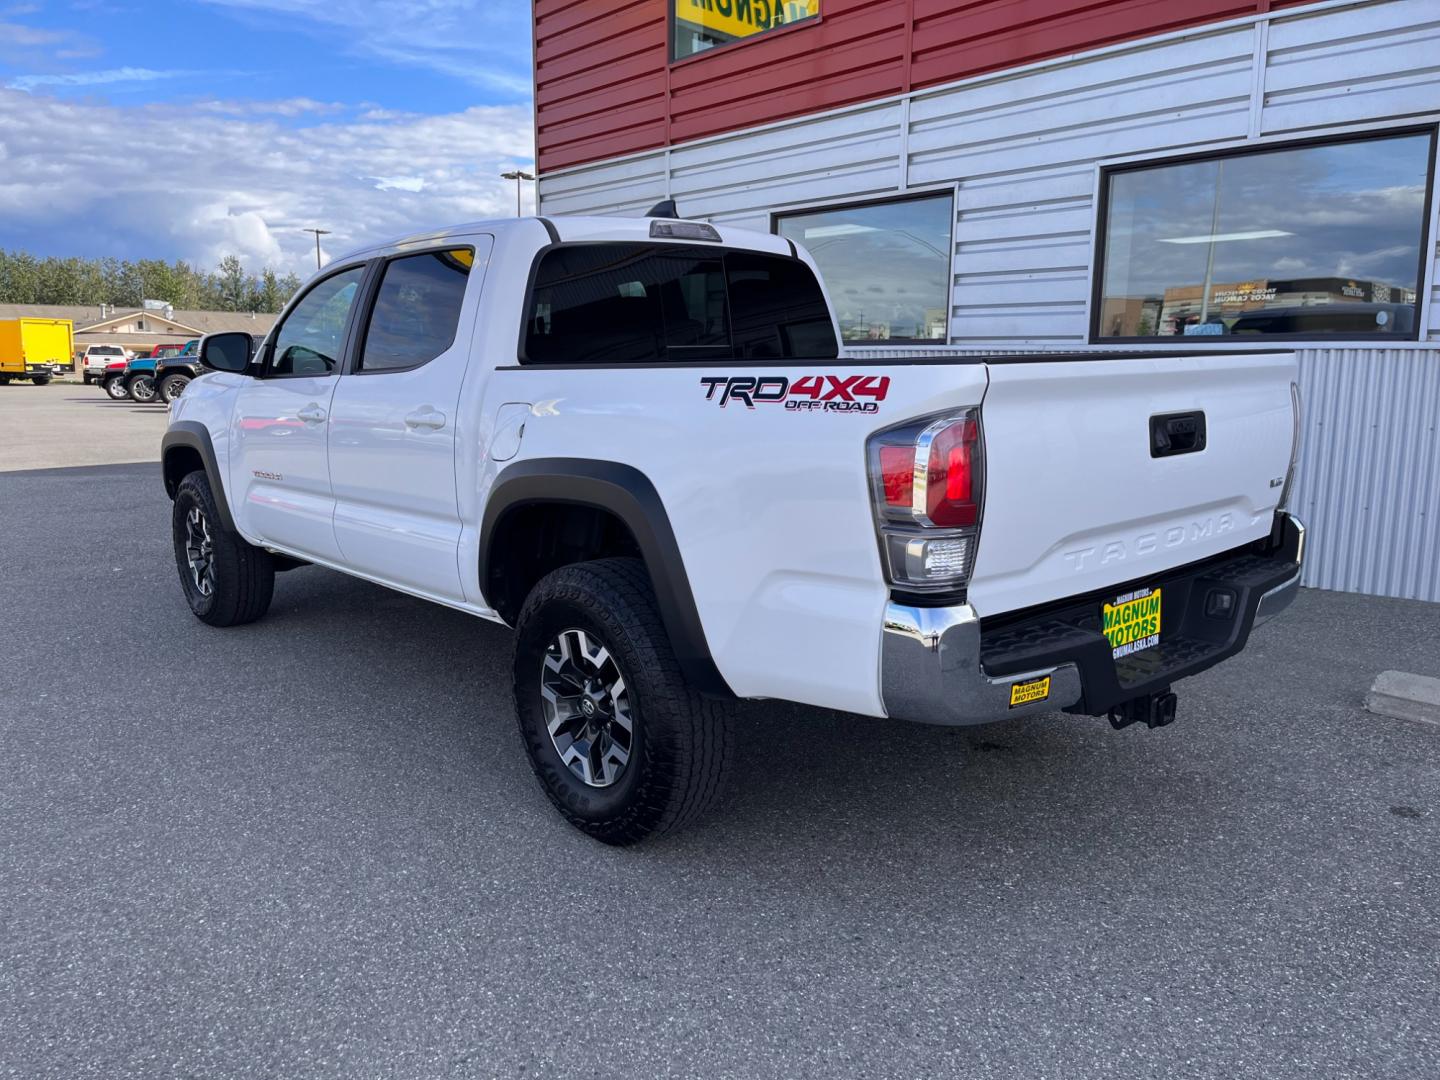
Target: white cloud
point(289, 108)
point(235, 181)
point(482, 42)
point(102, 77)
point(398, 183)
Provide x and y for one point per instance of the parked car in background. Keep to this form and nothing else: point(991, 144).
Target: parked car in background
point(140, 374)
point(112, 379)
point(174, 371)
point(92, 361)
point(35, 349)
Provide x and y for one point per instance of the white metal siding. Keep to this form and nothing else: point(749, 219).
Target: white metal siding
point(1369, 480)
point(1024, 148)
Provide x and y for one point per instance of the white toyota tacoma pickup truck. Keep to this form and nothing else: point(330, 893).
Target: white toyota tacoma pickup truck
point(638, 443)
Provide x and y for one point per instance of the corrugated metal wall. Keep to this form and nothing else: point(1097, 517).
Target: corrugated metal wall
point(1023, 148)
point(1023, 151)
point(604, 84)
point(1369, 481)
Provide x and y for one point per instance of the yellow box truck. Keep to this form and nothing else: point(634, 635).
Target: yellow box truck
point(35, 349)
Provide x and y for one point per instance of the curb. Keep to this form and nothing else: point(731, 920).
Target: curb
point(1404, 696)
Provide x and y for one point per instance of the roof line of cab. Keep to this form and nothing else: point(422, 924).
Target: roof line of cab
point(569, 230)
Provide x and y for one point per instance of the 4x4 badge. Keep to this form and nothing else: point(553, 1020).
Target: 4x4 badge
point(809, 393)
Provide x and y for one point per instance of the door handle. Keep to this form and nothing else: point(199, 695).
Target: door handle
point(312, 414)
point(430, 418)
point(1177, 433)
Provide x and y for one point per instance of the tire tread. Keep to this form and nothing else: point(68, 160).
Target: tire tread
point(689, 736)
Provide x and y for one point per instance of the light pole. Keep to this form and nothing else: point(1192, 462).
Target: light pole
point(517, 175)
point(318, 233)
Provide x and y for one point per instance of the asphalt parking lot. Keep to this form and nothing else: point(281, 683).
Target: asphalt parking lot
point(68, 423)
point(312, 848)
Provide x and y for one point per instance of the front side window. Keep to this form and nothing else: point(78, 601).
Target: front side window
point(416, 310)
point(311, 337)
point(643, 303)
point(887, 265)
point(1313, 241)
point(700, 25)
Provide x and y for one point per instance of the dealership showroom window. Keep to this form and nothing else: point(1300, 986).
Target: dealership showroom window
point(1299, 240)
point(886, 264)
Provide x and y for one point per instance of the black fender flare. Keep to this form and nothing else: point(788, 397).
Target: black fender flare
point(627, 493)
point(191, 435)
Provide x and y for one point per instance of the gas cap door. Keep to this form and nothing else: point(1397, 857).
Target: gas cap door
point(509, 430)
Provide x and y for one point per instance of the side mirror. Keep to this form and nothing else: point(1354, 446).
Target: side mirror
point(227, 352)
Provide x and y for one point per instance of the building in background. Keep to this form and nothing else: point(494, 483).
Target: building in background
point(140, 329)
point(1061, 175)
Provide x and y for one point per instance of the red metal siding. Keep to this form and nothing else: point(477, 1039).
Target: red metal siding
point(604, 86)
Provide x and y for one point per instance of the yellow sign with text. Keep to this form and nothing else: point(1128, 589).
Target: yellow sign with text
point(1028, 693)
point(1132, 622)
point(743, 18)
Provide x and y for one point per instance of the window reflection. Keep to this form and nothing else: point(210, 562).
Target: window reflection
point(887, 265)
point(1313, 240)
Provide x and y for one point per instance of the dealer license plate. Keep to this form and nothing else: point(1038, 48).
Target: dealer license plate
point(1132, 622)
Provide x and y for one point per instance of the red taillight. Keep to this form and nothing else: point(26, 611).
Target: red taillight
point(928, 480)
point(897, 469)
point(950, 484)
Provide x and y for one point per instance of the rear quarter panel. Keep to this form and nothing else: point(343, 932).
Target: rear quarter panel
point(769, 504)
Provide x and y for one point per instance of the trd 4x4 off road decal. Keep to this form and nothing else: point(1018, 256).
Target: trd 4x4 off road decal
point(809, 393)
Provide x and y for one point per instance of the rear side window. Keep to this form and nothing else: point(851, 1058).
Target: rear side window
point(416, 310)
point(642, 303)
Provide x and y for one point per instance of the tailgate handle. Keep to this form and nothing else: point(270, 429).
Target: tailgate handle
point(1177, 433)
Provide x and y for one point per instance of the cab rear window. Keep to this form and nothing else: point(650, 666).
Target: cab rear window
point(610, 304)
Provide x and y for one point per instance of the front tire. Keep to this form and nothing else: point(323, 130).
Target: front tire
point(622, 744)
point(140, 389)
point(227, 582)
point(171, 387)
point(115, 388)
point(41, 380)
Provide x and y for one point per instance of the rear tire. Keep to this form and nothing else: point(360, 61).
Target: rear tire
point(599, 622)
point(227, 582)
point(41, 380)
point(171, 387)
point(115, 388)
point(140, 389)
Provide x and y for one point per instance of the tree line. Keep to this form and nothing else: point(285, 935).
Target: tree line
point(26, 279)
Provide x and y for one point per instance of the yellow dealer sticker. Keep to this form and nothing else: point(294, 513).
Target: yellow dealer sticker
point(1132, 622)
point(1027, 693)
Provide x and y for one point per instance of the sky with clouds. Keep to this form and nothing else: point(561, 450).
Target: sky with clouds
point(196, 129)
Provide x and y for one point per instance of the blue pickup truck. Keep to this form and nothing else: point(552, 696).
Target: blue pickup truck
point(141, 384)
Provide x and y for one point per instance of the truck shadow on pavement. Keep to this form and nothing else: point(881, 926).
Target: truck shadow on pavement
point(808, 784)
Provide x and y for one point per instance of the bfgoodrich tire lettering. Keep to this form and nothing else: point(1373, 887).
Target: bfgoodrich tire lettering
point(226, 581)
point(679, 744)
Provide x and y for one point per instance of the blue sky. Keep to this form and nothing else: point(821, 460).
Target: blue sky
point(190, 130)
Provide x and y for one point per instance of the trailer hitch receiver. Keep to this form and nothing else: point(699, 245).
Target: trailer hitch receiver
point(1154, 710)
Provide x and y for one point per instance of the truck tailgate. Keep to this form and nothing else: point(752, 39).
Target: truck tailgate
point(1076, 499)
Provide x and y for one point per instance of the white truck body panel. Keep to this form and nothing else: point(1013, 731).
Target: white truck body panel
point(1074, 501)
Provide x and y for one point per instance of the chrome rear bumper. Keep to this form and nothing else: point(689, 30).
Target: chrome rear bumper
point(931, 666)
